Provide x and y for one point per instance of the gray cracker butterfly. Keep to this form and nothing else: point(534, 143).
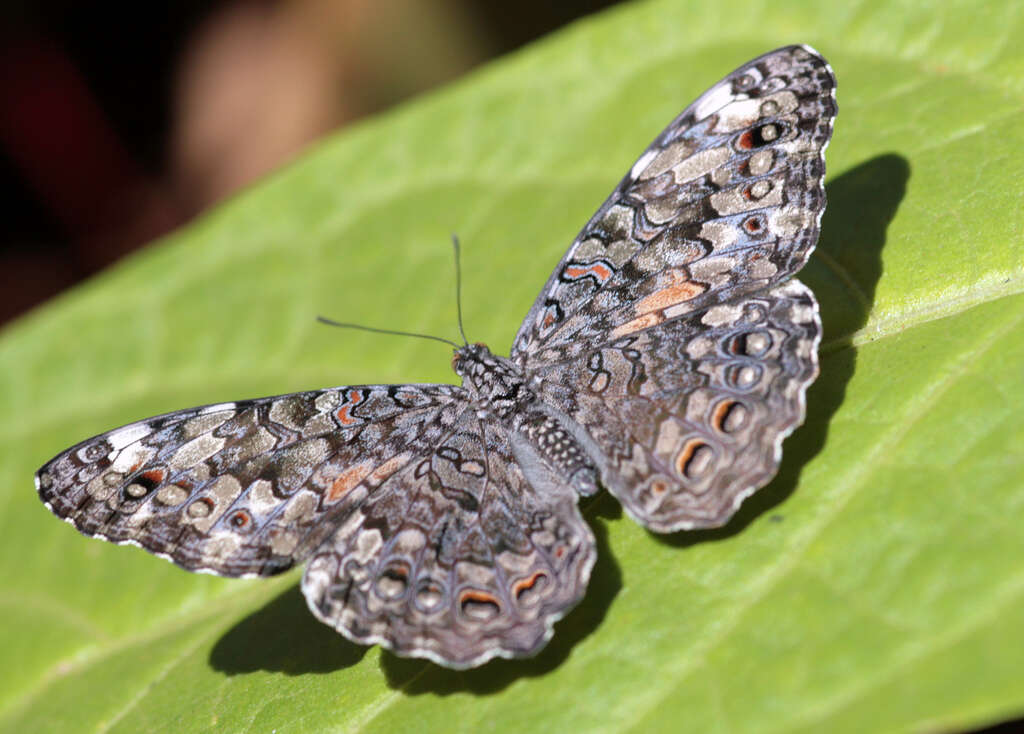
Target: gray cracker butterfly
point(665, 360)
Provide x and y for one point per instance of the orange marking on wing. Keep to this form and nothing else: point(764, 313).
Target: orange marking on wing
point(156, 476)
point(529, 582)
point(684, 456)
point(477, 595)
point(643, 322)
point(347, 481)
point(549, 318)
point(388, 468)
point(343, 417)
point(355, 397)
point(669, 296)
point(720, 413)
point(599, 270)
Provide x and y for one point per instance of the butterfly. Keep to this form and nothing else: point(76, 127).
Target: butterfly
point(664, 360)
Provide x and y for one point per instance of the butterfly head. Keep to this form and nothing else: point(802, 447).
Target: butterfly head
point(472, 358)
point(492, 379)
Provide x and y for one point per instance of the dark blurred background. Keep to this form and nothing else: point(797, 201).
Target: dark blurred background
point(120, 121)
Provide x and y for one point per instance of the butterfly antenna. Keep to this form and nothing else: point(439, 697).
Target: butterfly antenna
point(343, 325)
point(458, 285)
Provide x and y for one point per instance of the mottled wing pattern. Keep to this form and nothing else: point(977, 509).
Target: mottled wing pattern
point(457, 558)
point(669, 352)
point(690, 414)
point(246, 488)
point(725, 202)
point(669, 330)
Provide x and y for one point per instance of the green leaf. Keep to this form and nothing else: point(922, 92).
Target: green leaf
point(875, 585)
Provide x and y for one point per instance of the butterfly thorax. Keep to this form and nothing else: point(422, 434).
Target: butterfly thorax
point(497, 387)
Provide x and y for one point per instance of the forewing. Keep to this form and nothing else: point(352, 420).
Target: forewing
point(689, 415)
point(725, 202)
point(457, 558)
point(246, 488)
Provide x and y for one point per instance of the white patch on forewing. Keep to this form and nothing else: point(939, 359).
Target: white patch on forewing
point(641, 164)
point(128, 435)
point(217, 408)
point(745, 112)
point(131, 457)
point(714, 99)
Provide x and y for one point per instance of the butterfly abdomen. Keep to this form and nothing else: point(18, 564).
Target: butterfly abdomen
point(561, 451)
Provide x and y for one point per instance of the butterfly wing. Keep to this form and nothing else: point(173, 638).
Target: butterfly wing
point(673, 303)
point(667, 334)
point(246, 488)
point(459, 557)
point(690, 414)
point(726, 201)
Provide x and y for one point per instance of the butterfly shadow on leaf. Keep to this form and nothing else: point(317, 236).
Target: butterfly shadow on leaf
point(843, 273)
point(283, 637)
